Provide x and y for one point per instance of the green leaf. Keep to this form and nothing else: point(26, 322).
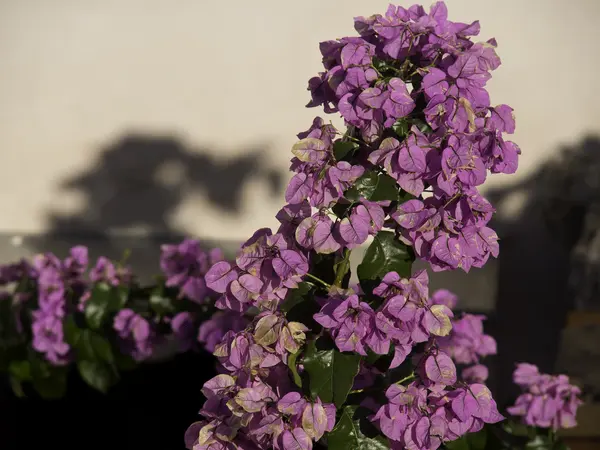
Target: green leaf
point(341, 149)
point(477, 441)
point(161, 304)
point(49, 382)
point(51, 388)
point(331, 373)
point(401, 128)
point(539, 443)
point(375, 187)
point(342, 270)
point(72, 331)
point(16, 387)
point(97, 374)
point(125, 362)
point(470, 441)
point(421, 125)
point(93, 346)
point(104, 300)
point(294, 368)
point(21, 370)
point(364, 186)
point(346, 435)
point(295, 296)
point(459, 444)
point(303, 311)
point(322, 267)
point(386, 189)
point(560, 445)
point(385, 254)
point(101, 348)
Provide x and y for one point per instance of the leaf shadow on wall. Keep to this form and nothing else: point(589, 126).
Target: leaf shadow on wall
point(535, 288)
point(136, 186)
point(137, 182)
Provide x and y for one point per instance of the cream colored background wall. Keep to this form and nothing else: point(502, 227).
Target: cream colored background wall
point(226, 77)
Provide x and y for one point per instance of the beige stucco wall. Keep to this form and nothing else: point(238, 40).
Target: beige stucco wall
point(226, 77)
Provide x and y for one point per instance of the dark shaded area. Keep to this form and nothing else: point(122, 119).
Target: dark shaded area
point(150, 408)
point(140, 181)
point(534, 295)
point(137, 183)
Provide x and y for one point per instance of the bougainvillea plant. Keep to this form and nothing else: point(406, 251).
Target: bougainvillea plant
point(328, 365)
point(56, 314)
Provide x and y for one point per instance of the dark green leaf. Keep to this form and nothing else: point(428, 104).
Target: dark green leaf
point(364, 186)
point(104, 300)
point(50, 383)
point(97, 374)
point(51, 388)
point(539, 443)
point(346, 435)
point(93, 346)
point(459, 444)
point(341, 210)
point(331, 373)
point(322, 267)
point(385, 254)
point(294, 368)
point(515, 428)
point(386, 189)
point(401, 128)
point(21, 370)
point(421, 125)
point(124, 362)
point(101, 348)
point(161, 304)
point(478, 441)
point(84, 348)
point(341, 149)
point(372, 357)
point(470, 441)
point(304, 310)
point(560, 445)
point(16, 387)
point(295, 296)
point(342, 270)
point(72, 331)
point(375, 187)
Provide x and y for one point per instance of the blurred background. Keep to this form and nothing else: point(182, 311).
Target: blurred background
point(130, 123)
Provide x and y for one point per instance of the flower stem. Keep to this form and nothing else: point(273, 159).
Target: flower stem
point(341, 268)
point(327, 285)
point(407, 378)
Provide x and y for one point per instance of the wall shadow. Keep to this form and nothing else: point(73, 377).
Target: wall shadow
point(535, 289)
point(135, 186)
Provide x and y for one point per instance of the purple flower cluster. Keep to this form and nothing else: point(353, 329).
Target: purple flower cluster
point(212, 331)
point(55, 280)
point(467, 342)
point(254, 404)
point(105, 271)
point(63, 288)
point(136, 333)
point(421, 137)
point(416, 417)
point(419, 71)
point(547, 401)
point(405, 318)
point(185, 265)
point(265, 268)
